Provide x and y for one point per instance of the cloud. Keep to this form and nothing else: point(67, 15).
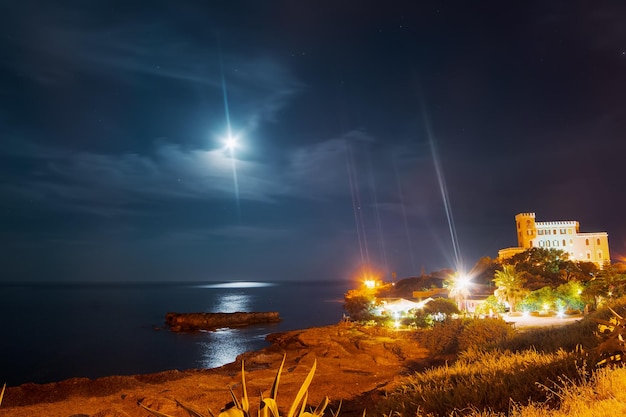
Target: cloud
point(69, 47)
point(102, 183)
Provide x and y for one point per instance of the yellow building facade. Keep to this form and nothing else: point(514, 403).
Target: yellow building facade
point(562, 235)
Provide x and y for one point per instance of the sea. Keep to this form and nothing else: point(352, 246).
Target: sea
point(52, 332)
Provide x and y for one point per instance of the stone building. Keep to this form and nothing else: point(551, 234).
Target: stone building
point(562, 235)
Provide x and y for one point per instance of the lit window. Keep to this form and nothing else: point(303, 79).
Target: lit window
point(541, 243)
point(569, 231)
point(527, 223)
point(599, 254)
point(587, 242)
point(571, 242)
point(564, 244)
point(529, 232)
point(562, 231)
point(548, 232)
point(588, 255)
point(597, 241)
point(539, 232)
point(554, 232)
point(547, 243)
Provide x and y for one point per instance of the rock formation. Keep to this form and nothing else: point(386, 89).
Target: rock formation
point(211, 321)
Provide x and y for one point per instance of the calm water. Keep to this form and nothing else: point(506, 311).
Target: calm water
point(54, 332)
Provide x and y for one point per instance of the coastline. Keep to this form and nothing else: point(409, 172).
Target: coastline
point(353, 362)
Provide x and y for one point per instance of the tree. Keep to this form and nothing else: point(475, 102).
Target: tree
point(359, 305)
point(540, 267)
point(510, 286)
point(610, 282)
point(483, 271)
point(458, 288)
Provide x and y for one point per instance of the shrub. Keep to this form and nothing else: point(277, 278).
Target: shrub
point(443, 338)
point(359, 305)
point(441, 305)
point(483, 333)
point(491, 305)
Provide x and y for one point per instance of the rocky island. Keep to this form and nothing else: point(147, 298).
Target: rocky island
point(210, 321)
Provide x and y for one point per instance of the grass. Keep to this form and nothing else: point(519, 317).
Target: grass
point(540, 372)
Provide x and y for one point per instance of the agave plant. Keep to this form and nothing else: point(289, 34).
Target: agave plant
point(268, 407)
point(613, 347)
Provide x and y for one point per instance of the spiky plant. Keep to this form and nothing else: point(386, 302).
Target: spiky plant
point(268, 407)
point(612, 348)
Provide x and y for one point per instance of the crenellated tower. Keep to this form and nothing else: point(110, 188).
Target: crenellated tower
point(526, 230)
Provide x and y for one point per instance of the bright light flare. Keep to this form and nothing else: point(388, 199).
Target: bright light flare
point(231, 143)
point(370, 284)
point(464, 282)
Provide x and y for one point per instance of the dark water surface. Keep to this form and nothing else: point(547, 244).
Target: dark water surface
point(53, 332)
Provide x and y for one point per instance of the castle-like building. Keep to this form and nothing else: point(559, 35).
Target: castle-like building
point(563, 235)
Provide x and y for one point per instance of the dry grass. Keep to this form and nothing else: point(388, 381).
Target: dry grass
point(603, 395)
point(480, 381)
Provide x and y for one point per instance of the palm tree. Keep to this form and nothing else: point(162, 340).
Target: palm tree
point(458, 288)
point(510, 286)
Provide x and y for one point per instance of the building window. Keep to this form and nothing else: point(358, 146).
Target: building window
point(539, 232)
point(554, 232)
point(562, 231)
point(588, 255)
point(531, 243)
point(597, 241)
point(527, 223)
point(547, 243)
point(556, 243)
point(529, 232)
point(541, 243)
point(569, 231)
point(587, 242)
point(518, 225)
point(564, 244)
point(599, 254)
point(571, 242)
point(548, 232)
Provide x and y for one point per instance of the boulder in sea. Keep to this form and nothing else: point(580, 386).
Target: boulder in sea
point(210, 321)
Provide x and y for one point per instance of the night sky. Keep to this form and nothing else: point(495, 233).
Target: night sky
point(351, 118)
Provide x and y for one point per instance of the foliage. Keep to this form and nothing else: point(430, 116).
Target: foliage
point(458, 287)
point(441, 305)
point(443, 338)
point(540, 267)
point(456, 335)
point(268, 407)
point(510, 286)
point(491, 305)
point(483, 271)
point(483, 333)
point(571, 295)
point(359, 305)
point(608, 284)
point(541, 299)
